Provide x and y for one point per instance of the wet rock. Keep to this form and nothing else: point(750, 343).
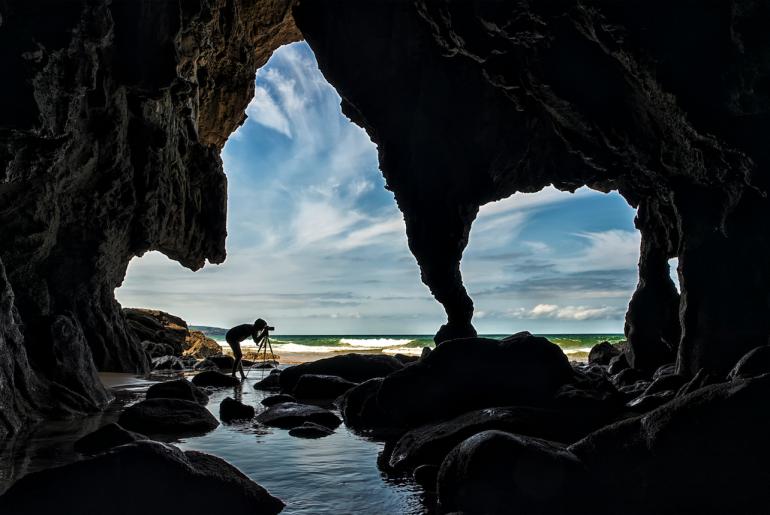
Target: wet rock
point(139, 478)
point(278, 399)
point(705, 452)
point(667, 382)
point(206, 364)
point(650, 401)
point(215, 379)
point(158, 327)
point(405, 358)
point(498, 472)
point(231, 410)
point(200, 346)
point(426, 476)
point(167, 416)
point(602, 353)
point(288, 415)
point(157, 350)
point(632, 391)
point(178, 389)
point(317, 386)
point(425, 352)
point(105, 438)
point(271, 382)
point(698, 381)
point(754, 363)
point(464, 375)
point(664, 370)
point(310, 430)
point(360, 410)
point(627, 376)
point(618, 364)
point(351, 367)
point(167, 363)
point(431, 443)
point(223, 362)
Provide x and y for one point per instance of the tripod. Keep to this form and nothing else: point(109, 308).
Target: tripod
point(264, 354)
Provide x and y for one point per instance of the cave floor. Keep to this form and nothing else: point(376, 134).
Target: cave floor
point(335, 474)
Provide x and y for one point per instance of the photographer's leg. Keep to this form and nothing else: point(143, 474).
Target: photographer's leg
point(238, 355)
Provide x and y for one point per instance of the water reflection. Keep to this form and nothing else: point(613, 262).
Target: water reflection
point(336, 474)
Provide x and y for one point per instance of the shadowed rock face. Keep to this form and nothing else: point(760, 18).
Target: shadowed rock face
point(470, 102)
point(114, 114)
point(110, 132)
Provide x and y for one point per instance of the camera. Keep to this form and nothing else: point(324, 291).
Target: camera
point(270, 328)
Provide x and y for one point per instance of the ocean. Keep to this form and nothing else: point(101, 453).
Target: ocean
point(575, 346)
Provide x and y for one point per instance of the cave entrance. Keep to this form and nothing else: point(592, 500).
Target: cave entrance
point(553, 263)
point(316, 245)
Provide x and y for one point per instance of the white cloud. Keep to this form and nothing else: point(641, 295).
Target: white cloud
point(576, 313)
point(607, 250)
point(264, 110)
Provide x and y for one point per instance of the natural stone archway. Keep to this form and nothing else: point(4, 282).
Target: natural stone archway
point(470, 102)
point(111, 124)
point(114, 113)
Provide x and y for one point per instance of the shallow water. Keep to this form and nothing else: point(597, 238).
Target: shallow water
point(336, 474)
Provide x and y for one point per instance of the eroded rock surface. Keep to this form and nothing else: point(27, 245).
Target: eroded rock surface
point(472, 101)
point(111, 124)
point(142, 477)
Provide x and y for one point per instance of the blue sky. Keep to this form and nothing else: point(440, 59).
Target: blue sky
point(316, 245)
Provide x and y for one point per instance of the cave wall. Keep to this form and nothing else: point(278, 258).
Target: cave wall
point(666, 102)
point(115, 113)
point(112, 118)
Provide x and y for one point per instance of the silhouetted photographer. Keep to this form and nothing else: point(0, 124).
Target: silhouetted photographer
point(259, 331)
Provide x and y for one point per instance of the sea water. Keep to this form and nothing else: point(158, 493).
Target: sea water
point(575, 346)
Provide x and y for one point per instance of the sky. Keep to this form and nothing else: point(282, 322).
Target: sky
point(316, 245)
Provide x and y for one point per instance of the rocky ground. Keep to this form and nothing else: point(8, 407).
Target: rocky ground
point(512, 427)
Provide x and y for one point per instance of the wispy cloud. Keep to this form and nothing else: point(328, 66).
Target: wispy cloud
point(316, 244)
point(578, 313)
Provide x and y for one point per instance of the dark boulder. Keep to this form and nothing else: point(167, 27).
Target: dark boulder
point(431, 443)
point(618, 364)
point(157, 350)
point(168, 416)
point(271, 382)
point(425, 351)
point(754, 363)
point(205, 364)
point(105, 438)
point(288, 415)
point(159, 327)
point(668, 382)
point(705, 452)
point(627, 376)
point(317, 386)
point(231, 410)
point(352, 367)
point(360, 410)
point(277, 399)
point(650, 401)
point(497, 472)
point(215, 379)
point(222, 361)
point(664, 370)
point(178, 389)
point(473, 373)
point(167, 363)
point(602, 353)
point(633, 391)
point(142, 477)
point(698, 381)
point(426, 476)
point(310, 430)
point(406, 358)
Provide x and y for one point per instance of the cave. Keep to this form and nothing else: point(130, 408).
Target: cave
point(113, 116)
